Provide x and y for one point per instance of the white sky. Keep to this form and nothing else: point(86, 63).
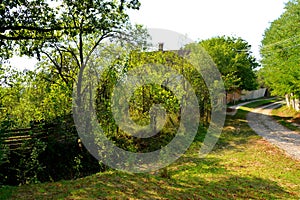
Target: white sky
point(200, 19)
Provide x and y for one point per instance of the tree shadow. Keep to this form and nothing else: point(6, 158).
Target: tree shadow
point(187, 182)
point(198, 179)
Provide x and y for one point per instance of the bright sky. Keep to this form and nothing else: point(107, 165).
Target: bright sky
point(200, 19)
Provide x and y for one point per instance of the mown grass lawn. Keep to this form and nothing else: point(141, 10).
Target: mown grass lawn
point(242, 166)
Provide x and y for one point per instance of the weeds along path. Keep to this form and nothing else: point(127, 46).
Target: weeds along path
point(263, 124)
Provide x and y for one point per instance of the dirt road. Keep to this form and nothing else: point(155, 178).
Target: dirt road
point(264, 125)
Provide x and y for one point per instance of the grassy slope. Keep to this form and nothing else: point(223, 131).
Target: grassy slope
point(242, 166)
point(287, 117)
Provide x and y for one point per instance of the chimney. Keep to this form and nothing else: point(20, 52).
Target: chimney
point(160, 46)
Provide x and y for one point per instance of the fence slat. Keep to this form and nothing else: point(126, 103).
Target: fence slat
point(15, 138)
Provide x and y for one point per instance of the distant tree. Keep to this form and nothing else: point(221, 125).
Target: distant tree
point(234, 61)
point(11, 88)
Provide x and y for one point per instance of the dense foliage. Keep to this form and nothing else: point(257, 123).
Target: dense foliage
point(148, 95)
point(32, 25)
point(63, 35)
point(280, 52)
point(39, 111)
point(234, 60)
point(48, 104)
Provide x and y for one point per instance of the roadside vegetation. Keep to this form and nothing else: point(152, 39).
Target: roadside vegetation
point(287, 117)
point(242, 166)
point(280, 55)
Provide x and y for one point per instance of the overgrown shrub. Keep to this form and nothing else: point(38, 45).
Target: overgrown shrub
point(29, 166)
point(51, 156)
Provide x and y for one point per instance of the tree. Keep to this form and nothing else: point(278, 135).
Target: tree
point(67, 34)
point(141, 104)
point(234, 61)
point(280, 53)
point(60, 30)
point(34, 22)
point(26, 96)
point(11, 87)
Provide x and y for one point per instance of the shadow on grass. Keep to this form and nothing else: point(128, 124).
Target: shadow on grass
point(236, 132)
point(232, 187)
point(191, 178)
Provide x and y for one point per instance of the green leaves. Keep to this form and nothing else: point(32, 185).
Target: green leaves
point(280, 52)
point(234, 60)
point(32, 23)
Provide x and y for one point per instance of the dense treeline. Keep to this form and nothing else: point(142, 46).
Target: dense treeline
point(280, 54)
point(234, 60)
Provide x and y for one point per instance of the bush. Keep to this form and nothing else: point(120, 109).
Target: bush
point(51, 156)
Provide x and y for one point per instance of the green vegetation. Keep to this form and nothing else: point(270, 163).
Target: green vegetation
point(242, 166)
point(257, 103)
point(38, 98)
point(287, 117)
point(233, 58)
point(280, 54)
point(61, 35)
point(41, 27)
point(84, 49)
point(148, 95)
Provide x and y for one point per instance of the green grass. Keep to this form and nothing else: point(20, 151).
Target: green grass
point(6, 192)
point(255, 104)
point(242, 101)
point(287, 117)
point(241, 166)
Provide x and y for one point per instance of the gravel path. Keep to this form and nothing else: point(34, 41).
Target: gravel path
point(236, 107)
point(264, 125)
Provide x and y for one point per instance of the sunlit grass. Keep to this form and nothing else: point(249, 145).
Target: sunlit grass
point(287, 117)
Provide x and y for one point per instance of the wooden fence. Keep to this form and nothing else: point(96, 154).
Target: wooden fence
point(15, 138)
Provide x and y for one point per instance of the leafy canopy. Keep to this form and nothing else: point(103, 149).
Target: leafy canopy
point(26, 26)
point(234, 61)
point(280, 52)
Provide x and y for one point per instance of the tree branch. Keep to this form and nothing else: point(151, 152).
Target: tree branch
point(57, 67)
point(30, 28)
